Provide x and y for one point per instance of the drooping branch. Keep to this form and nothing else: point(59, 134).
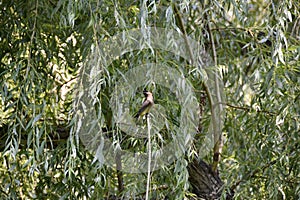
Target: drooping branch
point(217, 136)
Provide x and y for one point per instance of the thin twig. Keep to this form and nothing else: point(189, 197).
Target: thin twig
point(181, 25)
point(149, 157)
point(248, 109)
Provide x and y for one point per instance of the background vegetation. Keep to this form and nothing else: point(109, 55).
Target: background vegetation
point(45, 43)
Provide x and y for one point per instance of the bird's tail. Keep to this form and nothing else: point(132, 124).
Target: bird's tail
point(137, 115)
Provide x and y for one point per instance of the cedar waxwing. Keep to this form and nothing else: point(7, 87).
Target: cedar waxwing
point(146, 106)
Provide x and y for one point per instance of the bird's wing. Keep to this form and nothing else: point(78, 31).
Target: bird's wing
point(145, 105)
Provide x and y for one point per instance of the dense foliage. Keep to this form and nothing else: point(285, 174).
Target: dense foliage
point(254, 45)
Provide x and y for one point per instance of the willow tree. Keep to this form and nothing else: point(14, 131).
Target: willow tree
point(251, 48)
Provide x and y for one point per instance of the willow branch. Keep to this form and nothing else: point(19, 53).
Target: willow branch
point(188, 46)
point(217, 133)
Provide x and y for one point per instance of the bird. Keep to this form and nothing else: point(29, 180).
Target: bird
point(146, 106)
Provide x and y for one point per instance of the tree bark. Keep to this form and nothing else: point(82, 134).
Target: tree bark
point(205, 183)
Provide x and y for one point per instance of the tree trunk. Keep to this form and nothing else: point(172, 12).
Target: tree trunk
point(205, 183)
